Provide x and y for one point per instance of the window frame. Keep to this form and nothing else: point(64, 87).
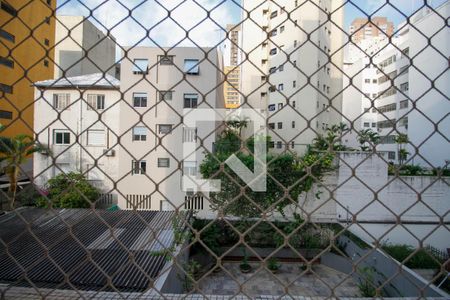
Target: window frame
point(57, 101)
point(63, 137)
point(95, 102)
point(191, 70)
point(169, 126)
point(137, 67)
point(163, 159)
point(139, 137)
point(191, 105)
point(138, 167)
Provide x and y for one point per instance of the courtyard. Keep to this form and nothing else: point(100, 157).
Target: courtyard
point(287, 281)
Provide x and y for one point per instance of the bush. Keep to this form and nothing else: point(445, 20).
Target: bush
point(28, 196)
point(70, 190)
point(420, 260)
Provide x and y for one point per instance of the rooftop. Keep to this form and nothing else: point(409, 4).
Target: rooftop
point(78, 243)
point(96, 80)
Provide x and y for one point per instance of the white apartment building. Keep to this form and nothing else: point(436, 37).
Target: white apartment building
point(81, 48)
point(292, 71)
point(158, 89)
point(417, 97)
point(77, 119)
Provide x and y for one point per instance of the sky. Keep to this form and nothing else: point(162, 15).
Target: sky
point(149, 18)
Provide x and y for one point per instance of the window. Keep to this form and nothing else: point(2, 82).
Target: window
point(272, 70)
point(281, 68)
point(366, 124)
point(403, 104)
point(140, 133)
point(191, 66)
point(138, 167)
point(47, 20)
point(46, 42)
point(61, 101)
point(7, 36)
point(281, 29)
point(279, 145)
point(280, 125)
point(190, 168)
point(272, 125)
point(374, 81)
point(293, 124)
point(271, 107)
point(6, 88)
point(295, 43)
point(6, 62)
point(281, 87)
point(190, 100)
point(45, 63)
point(165, 60)
point(292, 144)
point(280, 105)
point(8, 8)
point(96, 137)
point(95, 102)
point(273, 33)
point(404, 87)
point(165, 95)
point(374, 125)
point(164, 128)
point(391, 155)
point(140, 99)
point(189, 134)
point(293, 104)
point(6, 115)
point(163, 163)
point(140, 66)
point(49, 2)
point(61, 137)
point(273, 14)
point(271, 144)
point(367, 80)
point(273, 51)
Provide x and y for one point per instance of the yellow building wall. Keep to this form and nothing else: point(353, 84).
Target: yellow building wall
point(32, 53)
point(232, 87)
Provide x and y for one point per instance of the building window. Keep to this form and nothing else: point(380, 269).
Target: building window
point(404, 87)
point(165, 95)
point(292, 144)
point(163, 163)
point(140, 99)
point(281, 68)
point(95, 102)
point(8, 8)
point(45, 63)
point(271, 107)
point(280, 105)
point(96, 137)
point(273, 51)
point(61, 101)
point(6, 62)
point(4, 114)
point(274, 14)
point(367, 80)
point(366, 124)
point(165, 60)
point(138, 167)
point(140, 133)
point(374, 125)
point(271, 125)
point(281, 29)
point(191, 66)
point(190, 168)
point(280, 125)
point(391, 155)
point(189, 134)
point(273, 33)
point(281, 87)
point(164, 128)
point(272, 70)
point(295, 43)
point(46, 42)
point(403, 104)
point(279, 145)
point(294, 84)
point(7, 36)
point(140, 66)
point(190, 100)
point(374, 81)
point(61, 137)
point(47, 20)
point(49, 2)
point(293, 124)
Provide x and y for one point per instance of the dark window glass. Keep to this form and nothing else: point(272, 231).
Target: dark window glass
point(9, 9)
point(7, 36)
point(6, 88)
point(5, 114)
point(6, 62)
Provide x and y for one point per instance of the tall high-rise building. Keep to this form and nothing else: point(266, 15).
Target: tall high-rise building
point(292, 71)
point(363, 28)
point(232, 70)
point(27, 38)
point(82, 48)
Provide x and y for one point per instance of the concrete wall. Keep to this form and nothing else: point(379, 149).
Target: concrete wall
point(401, 281)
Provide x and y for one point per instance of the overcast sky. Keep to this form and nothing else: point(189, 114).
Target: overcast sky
point(153, 15)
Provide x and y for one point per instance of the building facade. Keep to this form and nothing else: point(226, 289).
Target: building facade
point(27, 30)
point(363, 28)
point(82, 48)
point(232, 69)
point(300, 96)
point(405, 92)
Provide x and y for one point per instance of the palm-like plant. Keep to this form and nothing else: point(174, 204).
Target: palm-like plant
point(402, 140)
point(368, 136)
point(14, 152)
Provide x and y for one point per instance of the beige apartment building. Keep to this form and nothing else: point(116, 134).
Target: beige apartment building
point(293, 78)
point(362, 28)
point(232, 70)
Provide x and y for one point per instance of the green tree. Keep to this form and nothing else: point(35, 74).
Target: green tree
point(285, 173)
point(14, 152)
point(332, 140)
point(401, 140)
point(70, 190)
point(367, 138)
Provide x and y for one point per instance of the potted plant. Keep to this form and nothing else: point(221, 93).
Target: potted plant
point(273, 265)
point(245, 266)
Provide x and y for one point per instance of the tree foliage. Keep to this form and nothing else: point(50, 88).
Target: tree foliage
point(368, 138)
point(287, 177)
point(70, 190)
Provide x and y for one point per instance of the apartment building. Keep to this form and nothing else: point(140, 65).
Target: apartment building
point(27, 31)
point(78, 122)
point(363, 28)
point(292, 71)
point(406, 91)
point(160, 88)
point(232, 69)
point(82, 48)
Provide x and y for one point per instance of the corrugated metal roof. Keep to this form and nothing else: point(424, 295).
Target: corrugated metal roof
point(80, 245)
point(96, 80)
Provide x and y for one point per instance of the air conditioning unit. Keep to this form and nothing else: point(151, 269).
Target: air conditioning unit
point(109, 152)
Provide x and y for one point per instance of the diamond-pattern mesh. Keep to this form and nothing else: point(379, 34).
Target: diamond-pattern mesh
point(95, 111)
